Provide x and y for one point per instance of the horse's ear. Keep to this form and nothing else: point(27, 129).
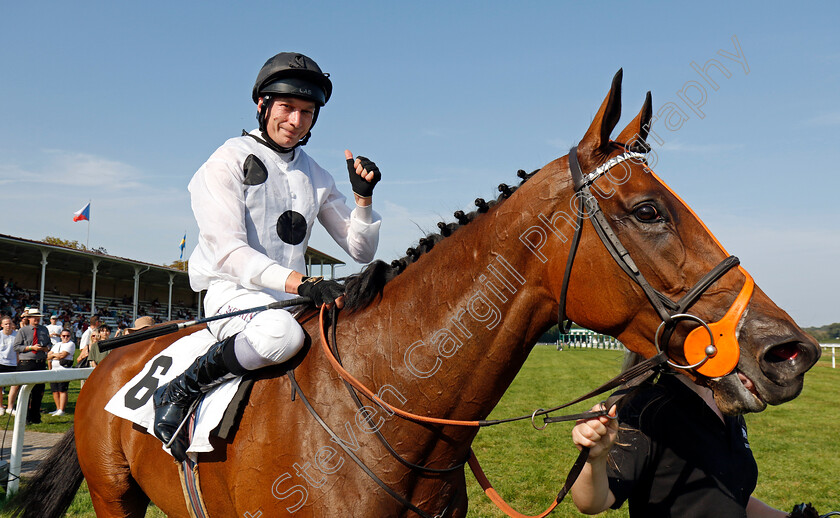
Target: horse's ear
point(598, 135)
point(634, 136)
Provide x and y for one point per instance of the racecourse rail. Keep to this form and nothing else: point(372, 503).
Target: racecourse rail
point(27, 380)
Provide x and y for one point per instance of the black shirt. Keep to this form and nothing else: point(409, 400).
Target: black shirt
point(675, 458)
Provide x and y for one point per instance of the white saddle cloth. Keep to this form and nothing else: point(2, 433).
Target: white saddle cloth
point(170, 362)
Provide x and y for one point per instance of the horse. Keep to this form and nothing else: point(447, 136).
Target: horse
point(442, 332)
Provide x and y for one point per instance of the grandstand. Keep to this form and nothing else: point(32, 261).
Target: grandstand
point(72, 282)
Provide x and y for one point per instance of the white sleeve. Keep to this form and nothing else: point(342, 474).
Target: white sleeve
point(356, 231)
point(218, 202)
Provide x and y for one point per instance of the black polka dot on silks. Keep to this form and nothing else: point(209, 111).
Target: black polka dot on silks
point(291, 227)
point(254, 171)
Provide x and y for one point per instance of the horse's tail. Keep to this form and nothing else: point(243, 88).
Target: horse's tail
point(51, 491)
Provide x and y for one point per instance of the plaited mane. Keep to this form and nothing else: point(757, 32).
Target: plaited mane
point(364, 287)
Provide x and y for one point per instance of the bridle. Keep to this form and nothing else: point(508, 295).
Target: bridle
point(714, 353)
point(705, 355)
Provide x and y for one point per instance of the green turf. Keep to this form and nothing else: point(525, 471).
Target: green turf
point(795, 444)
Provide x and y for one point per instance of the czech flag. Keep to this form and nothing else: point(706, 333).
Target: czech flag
point(183, 245)
point(82, 214)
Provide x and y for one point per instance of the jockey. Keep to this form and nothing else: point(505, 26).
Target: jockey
point(256, 200)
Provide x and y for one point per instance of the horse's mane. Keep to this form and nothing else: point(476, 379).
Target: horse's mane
point(362, 288)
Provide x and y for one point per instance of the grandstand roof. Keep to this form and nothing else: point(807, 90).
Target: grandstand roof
point(16, 252)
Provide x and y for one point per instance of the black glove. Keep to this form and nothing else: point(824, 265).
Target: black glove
point(320, 291)
point(804, 511)
point(361, 186)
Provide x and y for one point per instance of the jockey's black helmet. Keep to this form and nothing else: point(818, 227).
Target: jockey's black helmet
point(290, 73)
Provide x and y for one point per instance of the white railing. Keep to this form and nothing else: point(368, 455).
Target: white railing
point(588, 339)
point(27, 380)
point(833, 348)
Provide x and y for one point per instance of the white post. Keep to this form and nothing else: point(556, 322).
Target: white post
point(137, 274)
point(44, 254)
point(93, 287)
point(16, 455)
point(169, 312)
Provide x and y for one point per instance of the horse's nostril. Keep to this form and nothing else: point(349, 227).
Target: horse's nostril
point(783, 353)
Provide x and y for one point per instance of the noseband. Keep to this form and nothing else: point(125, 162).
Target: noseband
point(712, 348)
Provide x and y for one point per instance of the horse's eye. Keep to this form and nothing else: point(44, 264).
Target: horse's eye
point(646, 213)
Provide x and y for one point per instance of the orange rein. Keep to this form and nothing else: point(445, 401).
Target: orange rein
point(496, 498)
point(485, 484)
point(373, 397)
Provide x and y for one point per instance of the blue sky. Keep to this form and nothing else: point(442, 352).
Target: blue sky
point(119, 103)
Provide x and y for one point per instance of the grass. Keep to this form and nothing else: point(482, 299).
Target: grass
point(794, 444)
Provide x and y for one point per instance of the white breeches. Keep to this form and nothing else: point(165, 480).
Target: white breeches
point(265, 338)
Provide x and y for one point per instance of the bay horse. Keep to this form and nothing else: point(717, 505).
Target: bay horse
point(442, 332)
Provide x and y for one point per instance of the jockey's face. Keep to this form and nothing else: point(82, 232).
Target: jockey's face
point(289, 120)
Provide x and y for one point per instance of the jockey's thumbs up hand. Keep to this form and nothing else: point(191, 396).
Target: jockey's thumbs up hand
point(364, 174)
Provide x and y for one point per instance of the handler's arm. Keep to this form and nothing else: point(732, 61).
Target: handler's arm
point(758, 509)
point(591, 492)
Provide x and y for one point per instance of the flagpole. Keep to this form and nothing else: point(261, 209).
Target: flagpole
point(87, 243)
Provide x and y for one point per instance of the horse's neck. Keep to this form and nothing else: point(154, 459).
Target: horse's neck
point(462, 319)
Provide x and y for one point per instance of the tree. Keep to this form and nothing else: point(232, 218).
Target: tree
point(50, 240)
point(75, 245)
point(178, 265)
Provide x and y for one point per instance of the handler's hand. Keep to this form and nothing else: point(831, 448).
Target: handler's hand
point(598, 433)
point(364, 174)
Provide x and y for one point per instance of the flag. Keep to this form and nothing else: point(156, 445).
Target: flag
point(82, 214)
point(183, 245)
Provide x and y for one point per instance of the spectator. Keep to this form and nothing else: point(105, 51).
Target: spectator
point(55, 329)
point(96, 356)
point(32, 344)
point(121, 327)
point(84, 343)
point(8, 355)
point(13, 390)
point(140, 323)
point(61, 358)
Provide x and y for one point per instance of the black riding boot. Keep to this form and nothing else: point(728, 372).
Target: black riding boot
point(173, 400)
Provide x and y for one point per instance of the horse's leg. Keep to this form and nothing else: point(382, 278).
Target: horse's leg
point(112, 489)
point(123, 499)
point(156, 472)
